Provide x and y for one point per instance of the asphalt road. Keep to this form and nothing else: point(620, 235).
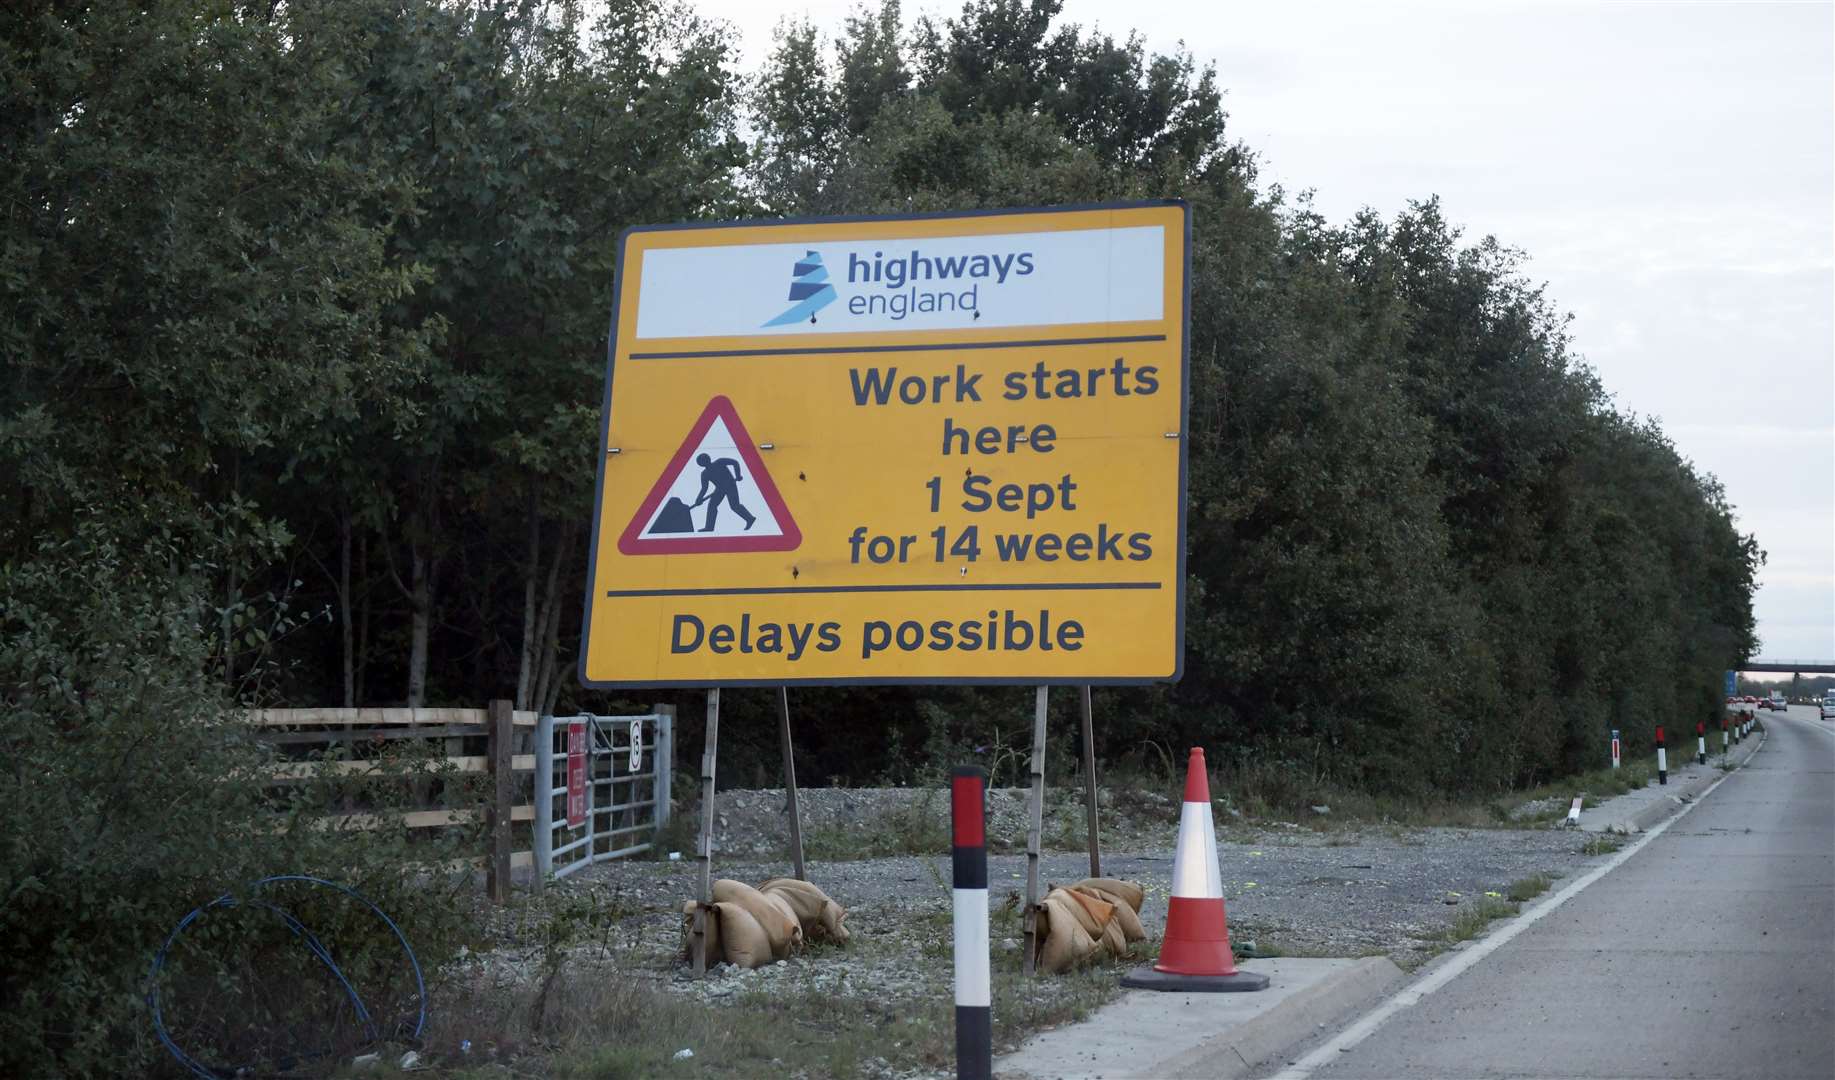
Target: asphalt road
point(1739, 984)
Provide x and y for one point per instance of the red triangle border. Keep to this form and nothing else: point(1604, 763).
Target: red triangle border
point(632, 542)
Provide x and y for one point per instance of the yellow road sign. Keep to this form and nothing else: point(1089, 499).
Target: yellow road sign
point(921, 449)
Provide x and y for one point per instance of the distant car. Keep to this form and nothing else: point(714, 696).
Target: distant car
point(1828, 707)
point(1750, 700)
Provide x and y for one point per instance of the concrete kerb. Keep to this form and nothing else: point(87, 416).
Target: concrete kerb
point(1153, 1034)
point(1637, 811)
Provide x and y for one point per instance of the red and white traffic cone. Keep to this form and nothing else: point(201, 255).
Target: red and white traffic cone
point(1195, 953)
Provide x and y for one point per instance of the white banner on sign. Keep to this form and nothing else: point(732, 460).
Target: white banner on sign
point(918, 283)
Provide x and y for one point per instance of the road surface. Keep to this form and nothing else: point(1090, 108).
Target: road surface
point(1740, 983)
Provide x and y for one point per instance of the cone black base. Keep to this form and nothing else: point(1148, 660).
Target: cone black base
point(1147, 978)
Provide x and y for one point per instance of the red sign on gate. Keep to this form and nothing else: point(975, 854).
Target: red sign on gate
point(576, 774)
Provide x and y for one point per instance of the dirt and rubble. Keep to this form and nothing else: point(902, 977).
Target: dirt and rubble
point(1326, 888)
point(1342, 890)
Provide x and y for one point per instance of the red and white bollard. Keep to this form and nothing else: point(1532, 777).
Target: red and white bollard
point(969, 903)
point(1662, 759)
point(1701, 742)
point(1615, 748)
point(1195, 953)
point(1723, 733)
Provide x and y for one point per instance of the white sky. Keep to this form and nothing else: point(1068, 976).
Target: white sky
point(1668, 167)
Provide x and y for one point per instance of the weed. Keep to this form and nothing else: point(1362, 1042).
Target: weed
point(917, 828)
point(1601, 845)
point(1471, 921)
point(1525, 889)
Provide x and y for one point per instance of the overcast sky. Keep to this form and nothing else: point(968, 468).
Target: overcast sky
point(1668, 167)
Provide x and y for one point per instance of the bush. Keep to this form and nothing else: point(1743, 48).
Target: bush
point(122, 752)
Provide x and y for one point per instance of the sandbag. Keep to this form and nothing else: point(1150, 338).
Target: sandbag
point(1125, 917)
point(821, 917)
point(733, 936)
point(780, 924)
point(1092, 913)
point(743, 942)
point(1129, 892)
point(1114, 940)
point(1086, 921)
point(1062, 943)
point(795, 942)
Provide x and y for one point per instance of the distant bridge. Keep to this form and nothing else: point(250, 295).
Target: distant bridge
point(1791, 667)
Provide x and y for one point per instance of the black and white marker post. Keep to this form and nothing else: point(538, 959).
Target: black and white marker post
point(968, 787)
point(1662, 758)
point(1723, 733)
point(1701, 742)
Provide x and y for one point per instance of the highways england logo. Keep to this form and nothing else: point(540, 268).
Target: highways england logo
point(810, 291)
point(897, 287)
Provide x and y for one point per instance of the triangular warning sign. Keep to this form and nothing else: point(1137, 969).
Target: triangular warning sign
point(715, 495)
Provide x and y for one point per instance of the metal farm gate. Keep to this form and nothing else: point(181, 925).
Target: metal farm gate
point(601, 788)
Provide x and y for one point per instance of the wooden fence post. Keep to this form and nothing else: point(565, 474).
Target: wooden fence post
point(500, 738)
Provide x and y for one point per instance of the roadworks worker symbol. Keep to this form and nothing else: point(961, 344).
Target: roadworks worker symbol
point(715, 495)
point(810, 291)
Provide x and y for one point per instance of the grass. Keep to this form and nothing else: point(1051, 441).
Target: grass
point(1471, 921)
point(600, 1026)
point(1601, 845)
point(1271, 792)
point(1523, 890)
point(920, 827)
point(1267, 948)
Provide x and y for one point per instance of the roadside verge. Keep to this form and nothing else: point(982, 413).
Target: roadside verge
point(1147, 1034)
point(1637, 811)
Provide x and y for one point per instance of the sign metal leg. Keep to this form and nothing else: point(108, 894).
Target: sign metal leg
point(1035, 828)
point(1089, 784)
point(796, 817)
point(705, 894)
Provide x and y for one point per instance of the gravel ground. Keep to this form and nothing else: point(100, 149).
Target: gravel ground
point(1343, 891)
point(1327, 888)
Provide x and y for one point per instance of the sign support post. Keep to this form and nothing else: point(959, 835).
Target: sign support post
point(796, 817)
point(1035, 828)
point(1089, 783)
point(705, 894)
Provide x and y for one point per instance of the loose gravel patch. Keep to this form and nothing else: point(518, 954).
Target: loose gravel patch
point(1348, 892)
point(1336, 890)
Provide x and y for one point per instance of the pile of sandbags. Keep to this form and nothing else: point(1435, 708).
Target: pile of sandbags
point(1096, 917)
point(751, 927)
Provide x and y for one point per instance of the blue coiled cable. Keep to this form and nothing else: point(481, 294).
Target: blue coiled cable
point(313, 945)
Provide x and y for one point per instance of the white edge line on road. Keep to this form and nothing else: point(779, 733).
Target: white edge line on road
point(1366, 1026)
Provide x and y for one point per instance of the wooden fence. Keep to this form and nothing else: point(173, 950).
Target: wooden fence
point(497, 741)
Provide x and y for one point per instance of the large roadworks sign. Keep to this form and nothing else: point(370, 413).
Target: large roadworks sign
point(895, 450)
